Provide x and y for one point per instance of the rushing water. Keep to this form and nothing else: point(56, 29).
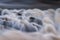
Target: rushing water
point(30, 24)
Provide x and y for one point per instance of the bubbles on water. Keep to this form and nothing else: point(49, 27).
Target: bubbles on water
point(20, 20)
point(30, 20)
point(41, 24)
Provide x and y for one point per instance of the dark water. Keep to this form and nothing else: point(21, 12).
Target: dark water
point(19, 1)
point(27, 4)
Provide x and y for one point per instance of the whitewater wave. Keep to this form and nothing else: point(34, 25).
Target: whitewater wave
point(30, 24)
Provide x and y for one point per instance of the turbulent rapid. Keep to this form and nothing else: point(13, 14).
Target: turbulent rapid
point(29, 24)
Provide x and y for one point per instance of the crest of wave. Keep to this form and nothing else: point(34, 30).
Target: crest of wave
point(31, 24)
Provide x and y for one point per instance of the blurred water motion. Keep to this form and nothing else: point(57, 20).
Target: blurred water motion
point(19, 1)
point(42, 4)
